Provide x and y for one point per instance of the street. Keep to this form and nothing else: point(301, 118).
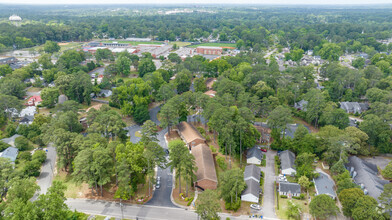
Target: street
point(268, 191)
point(44, 181)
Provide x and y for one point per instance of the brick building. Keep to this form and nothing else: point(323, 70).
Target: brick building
point(209, 50)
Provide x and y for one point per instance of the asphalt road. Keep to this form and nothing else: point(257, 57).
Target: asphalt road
point(161, 196)
point(44, 180)
point(97, 71)
point(140, 212)
point(268, 191)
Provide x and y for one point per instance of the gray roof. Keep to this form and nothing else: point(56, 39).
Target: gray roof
point(289, 187)
point(287, 159)
point(252, 171)
point(254, 152)
point(324, 185)
point(10, 153)
point(62, 98)
point(365, 175)
point(27, 119)
point(252, 187)
point(354, 107)
point(301, 105)
point(105, 92)
point(10, 140)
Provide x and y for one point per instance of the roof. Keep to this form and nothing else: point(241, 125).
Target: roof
point(301, 105)
point(35, 98)
point(289, 187)
point(252, 187)
point(365, 174)
point(254, 152)
point(62, 99)
point(204, 162)
point(210, 82)
point(10, 153)
point(188, 132)
point(324, 185)
point(27, 119)
point(207, 47)
point(30, 110)
point(211, 93)
point(252, 171)
point(354, 107)
point(105, 92)
point(11, 140)
point(287, 159)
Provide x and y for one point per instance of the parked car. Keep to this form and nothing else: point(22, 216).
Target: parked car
point(158, 179)
point(263, 149)
point(255, 206)
point(167, 151)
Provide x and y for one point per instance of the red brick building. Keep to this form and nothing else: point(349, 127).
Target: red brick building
point(209, 50)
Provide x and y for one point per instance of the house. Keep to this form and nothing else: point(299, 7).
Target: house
point(28, 111)
point(10, 153)
point(301, 105)
point(211, 93)
point(254, 156)
point(287, 159)
point(291, 128)
point(8, 60)
point(205, 174)
point(251, 192)
point(11, 140)
point(354, 107)
point(105, 93)
point(27, 120)
point(190, 134)
point(34, 100)
point(252, 180)
point(324, 185)
point(289, 189)
point(210, 82)
point(209, 50)
point(365, 174)
point(252, 172)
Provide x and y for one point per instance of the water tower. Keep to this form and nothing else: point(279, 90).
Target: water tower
point(15, 20)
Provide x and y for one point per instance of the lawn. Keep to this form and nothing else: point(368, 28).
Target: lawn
point(179, 43)
point(74, 190)
point(134, 43)
point(214, 45)
point(283, 207)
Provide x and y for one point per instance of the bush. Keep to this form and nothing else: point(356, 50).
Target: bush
point(202, 131)
point(263, 163)
point(233, 206)
point(181, 194)
point(39, 155)
point(264, 157)
point(221, 162)
point(25, 156)
point(22, 143)
point(302, 196)
point(190, 201)
point(277, 160)
point(213, 149)
point(283, 196)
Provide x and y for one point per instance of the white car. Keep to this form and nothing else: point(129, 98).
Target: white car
point(255, 206)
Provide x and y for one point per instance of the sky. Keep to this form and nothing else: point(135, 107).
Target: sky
point(269, 2)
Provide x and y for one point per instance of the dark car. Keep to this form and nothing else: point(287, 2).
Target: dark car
point(167, 151)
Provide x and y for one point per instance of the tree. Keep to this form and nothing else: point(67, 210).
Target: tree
point(334, 116)
point(5, 69)
point(304, 182)
point(6, 173)
point(315, 105)
point(386, 197)
point(149, 132)
point(123, 65)
point(231, 185)
point(303, 164)
point(387, 172)
point(22, 143)
point(51, 47)
point(173, 57)
point(46, 62)
point(279, 118)
point(207, 205)
point(200, 85)
point(141, 114)
point(348, 198)
point(292, 210)
point(49, 96)
point(358, 63)
point(366, 208)
point(22, 189)
point(166, 92)
point(146, 66)
point(13, 87)
point(323, 206)
point(169, 115)
point(8, 102)
point(330, 51)
point(183, 81)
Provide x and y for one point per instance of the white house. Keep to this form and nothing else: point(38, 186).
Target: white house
point(287, 159)
point(289, 189)
point(254, 156)
point(252, 179)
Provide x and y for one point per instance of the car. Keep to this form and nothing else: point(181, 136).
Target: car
point(263, 149)
point(167, 151)
point(255, 206)
point(158, 185)
point(158, 179)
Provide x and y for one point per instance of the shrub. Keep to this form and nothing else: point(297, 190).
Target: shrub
point(233, 206)
point(283, 196)
point(263, 163)
point(189, 201)
point(181, 194)
point(202, 131)
point(213, 149)
point(221, 162)
point(302, 196)
point(25, 156)
point(296, 197)
point(39, 155)
point(264, 156)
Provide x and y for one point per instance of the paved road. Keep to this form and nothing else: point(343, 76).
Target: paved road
point(141, 212)
point(268, 191)
point(158, 64)
point(44, 180)
point(161, 196)
point(98, 71)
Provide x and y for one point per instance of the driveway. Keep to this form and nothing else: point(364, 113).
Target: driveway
point(44, 180)
point(268, 191)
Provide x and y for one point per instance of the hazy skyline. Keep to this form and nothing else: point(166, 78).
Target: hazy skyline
point(267, 2)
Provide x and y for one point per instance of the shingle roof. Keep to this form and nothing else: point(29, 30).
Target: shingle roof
point(289, 187)
point(252, 171)
point(287, 159)
point(27, 119)
point(204, 162)
point(365, 175)
point(324, 185)
point(254, 152)
point(10, 140)
point(354, 107)
point(252, 187)
point(10, 153)
point(188, 132)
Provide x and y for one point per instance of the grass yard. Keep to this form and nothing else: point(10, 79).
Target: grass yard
point(70, 45)
point(74, 190)
point(214, 45)
point(134, 43)
point(180, 44)
point(281, 213)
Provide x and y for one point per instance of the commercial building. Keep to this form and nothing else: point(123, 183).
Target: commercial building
point(209, 50)
point(206, 175)
point(190, 134)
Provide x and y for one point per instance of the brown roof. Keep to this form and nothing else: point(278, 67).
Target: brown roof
point(188, 132)
point(210, 82)
point(204, 162)
point(210, 93)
